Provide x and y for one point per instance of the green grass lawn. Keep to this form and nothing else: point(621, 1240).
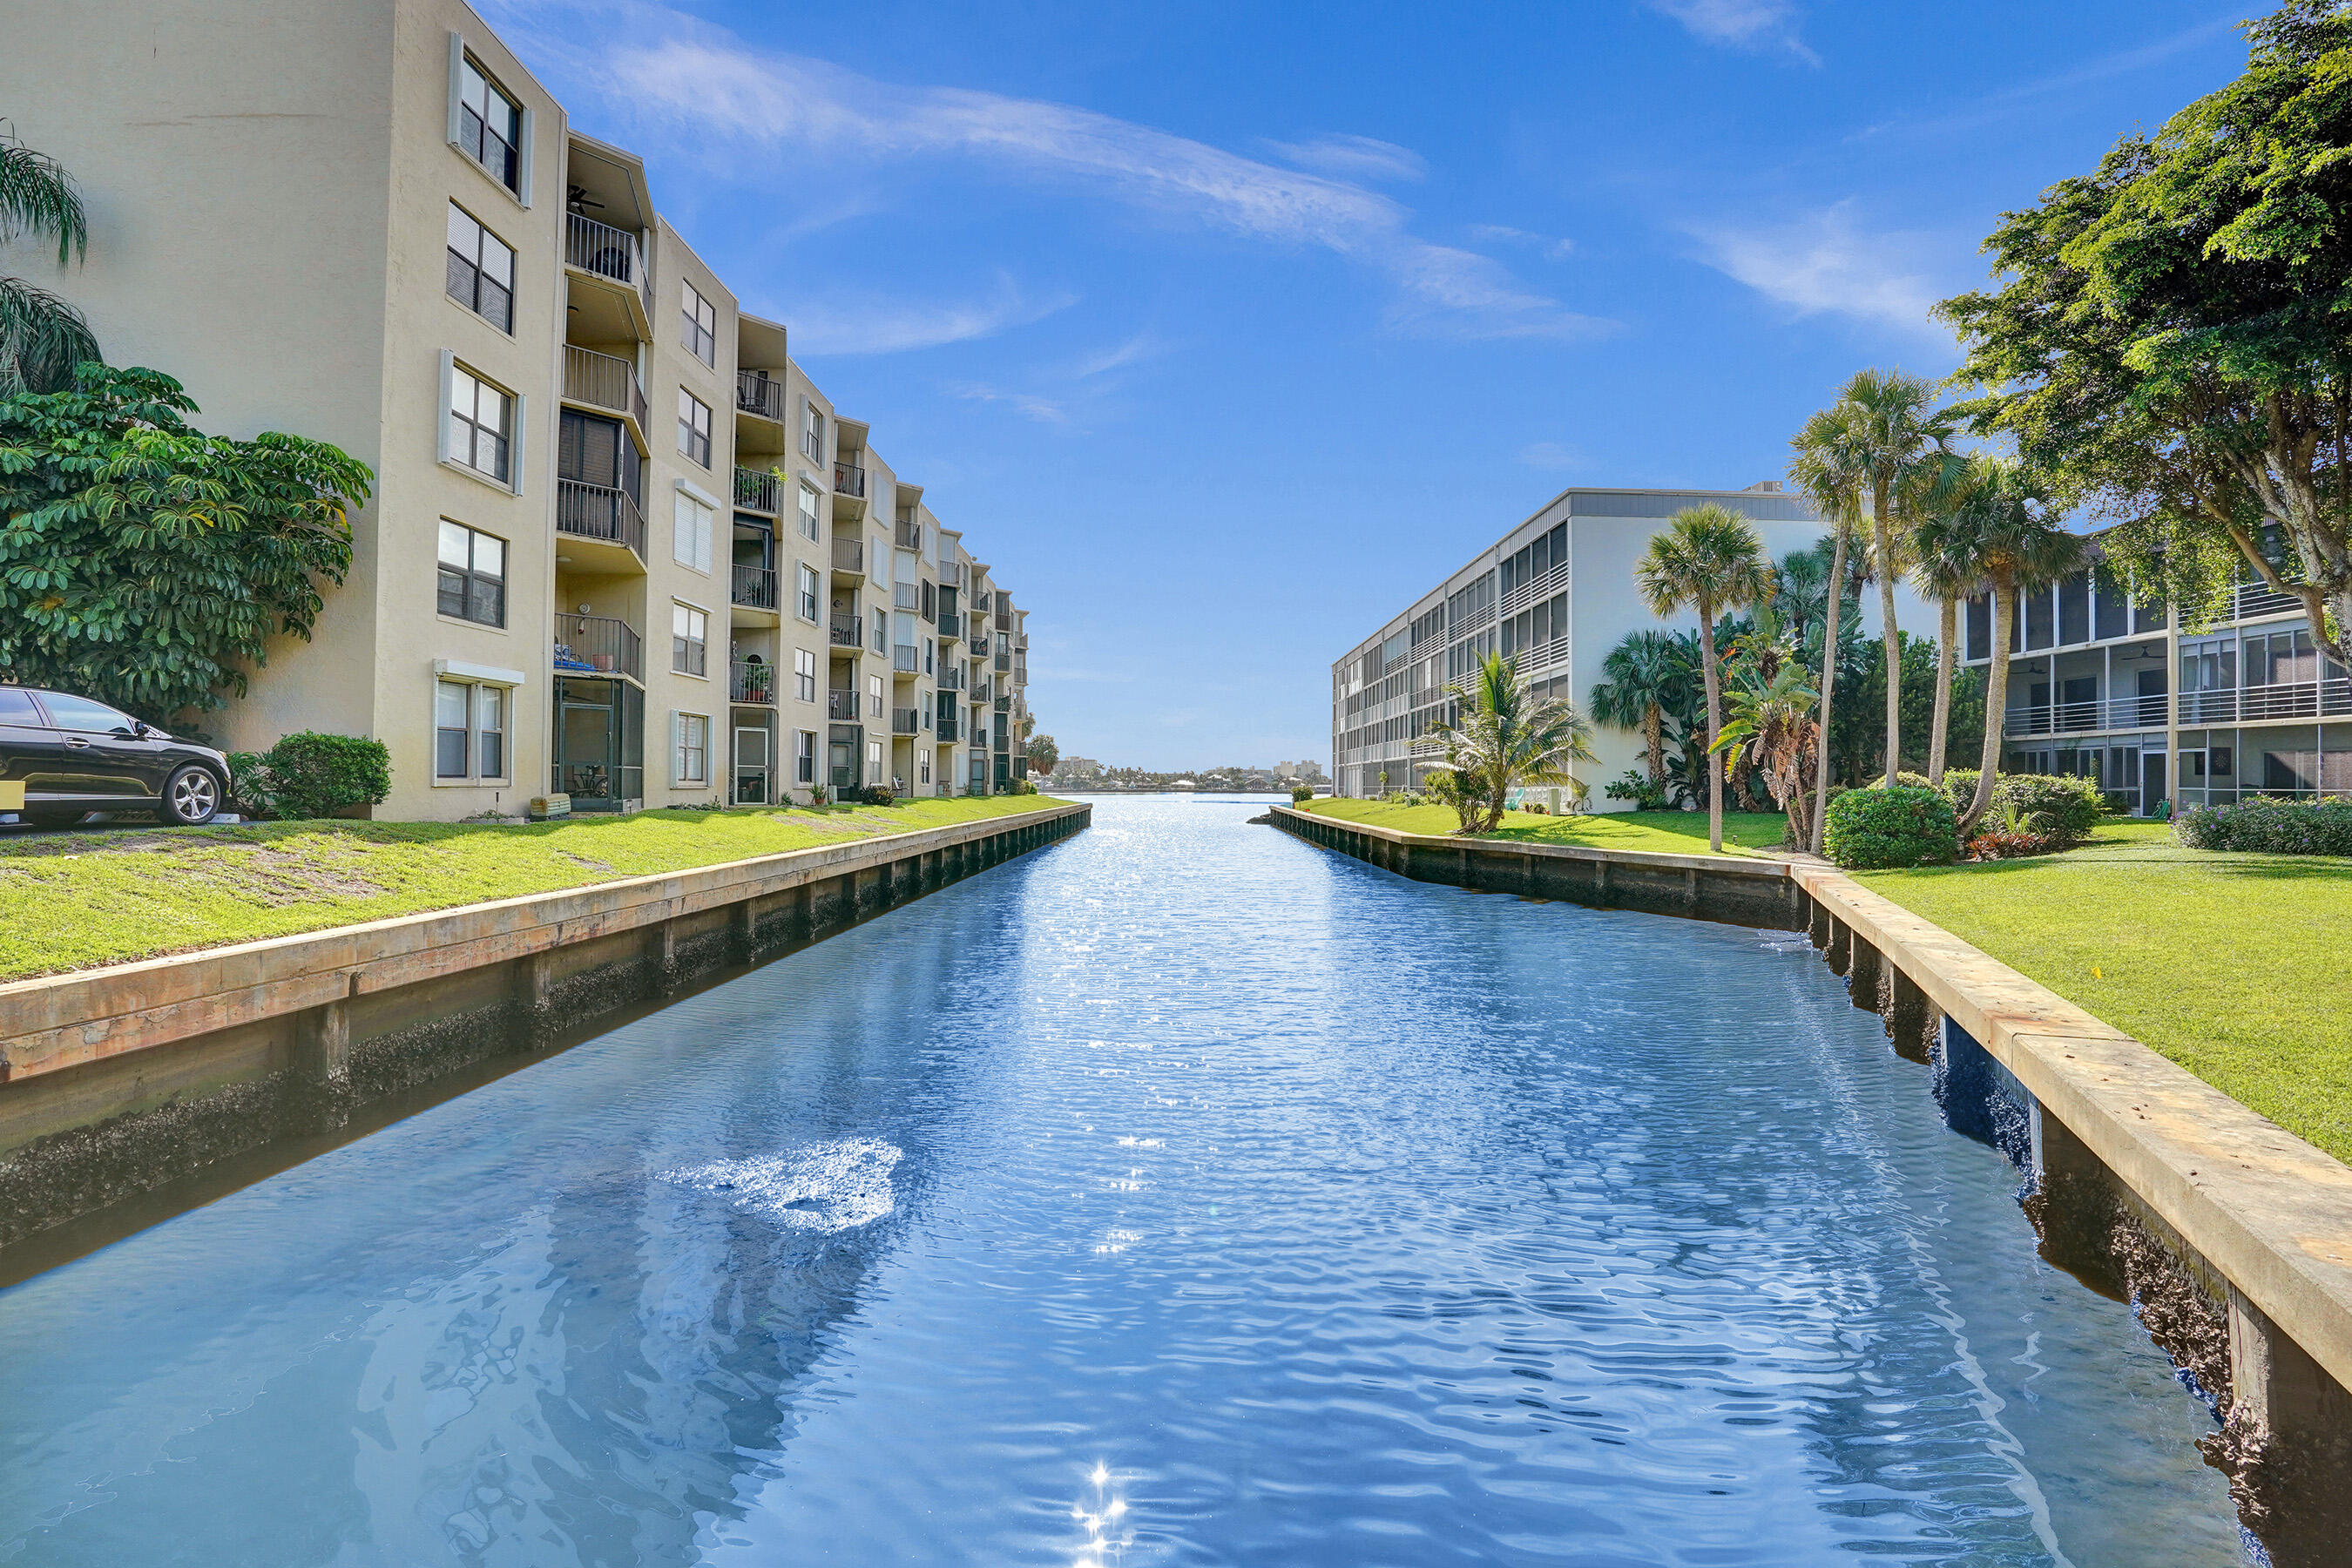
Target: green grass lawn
point(1669, 832)
point(2233, 965)
point(83, 899)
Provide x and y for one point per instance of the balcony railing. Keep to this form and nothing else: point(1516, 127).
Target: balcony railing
point(1003, 664)
point(911, 535)
point(849, 556)
point(906, 720)
point(841, 706)
point(905, 597)
point(2261, 599)
point(757, 491)
point(948, 729)
point(849, 480)
point(849, 633)
point(2072, 718)
point(757, 392)
point(903, 660)
point(599, 511)
point(1002, 705)
point(952, 627)
point(606, 380)
point(608, 252)
point(950, 679)
point(982, 689)
point(2288, 699)
point(978, 648)
point(951, 575)
point(754, 587)
point(749, 681)
point(597, 645)
point(1004, 620)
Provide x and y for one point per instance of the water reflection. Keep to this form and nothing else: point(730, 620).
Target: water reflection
point(1180, 1193)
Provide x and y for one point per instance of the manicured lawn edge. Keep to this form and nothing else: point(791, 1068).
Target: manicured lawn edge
point(1653, 832)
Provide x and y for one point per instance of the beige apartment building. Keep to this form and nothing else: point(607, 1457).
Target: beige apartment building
point(620, 547)
point(1554, 594)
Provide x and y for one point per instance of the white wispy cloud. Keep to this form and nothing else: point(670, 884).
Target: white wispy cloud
point(725, 99)
point(1824, 263)
point(1552, 248)
point(1043, 410)
point(1143, 345)
point(1553, 456)
point(1352, 157)
point(1743, 23)
point(849, 323)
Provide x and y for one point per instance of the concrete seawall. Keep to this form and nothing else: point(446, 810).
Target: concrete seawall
point(2231, 1236)
point(115, 1081)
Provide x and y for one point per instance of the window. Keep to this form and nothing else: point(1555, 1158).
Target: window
point(694, 426)
point(804, 675)
point(689, 639)
point(804, 756)
point(873, 760)
point(813, 432)
point(473, 574)
point(81, 713)
point(808, 511)
point(693, 747)
point(488, 125)
point(469, 730)
point(808, 593)
point(701, 338)
point(873, 697)
point(690, 527)
point(481, 270)
point(481, 424)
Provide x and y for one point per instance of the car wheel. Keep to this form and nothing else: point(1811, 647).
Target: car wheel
point(192, 796)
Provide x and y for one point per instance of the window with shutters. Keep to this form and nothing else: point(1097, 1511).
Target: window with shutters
point(690, 529)
point(481, 424)
point(489, 125)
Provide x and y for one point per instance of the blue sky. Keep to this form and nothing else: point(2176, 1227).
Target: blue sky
point(1224, 330)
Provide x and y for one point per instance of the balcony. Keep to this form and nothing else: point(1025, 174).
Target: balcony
point(1003, 664)
point(758, 491)
point(2285, 699)
point(1004, 620)
point(849, 633)
point(906, 720)
point(951, 575)
point(2257, 599)
point(757, 392)
point(905, 597)
point(1002, 705)
point(841, 706)
point(951, 626)
point(980, 690)
point(751, 682)
point(754, 587)
point(849, 480)
point(911, 535)
point(2076, 718)
point(600, 513)
point(604, 381)
point(978, 648)
point(614, 254)
point(948, 729)
point(950, 678)
point(597, 645)
point(848, 558)
point(904, 661)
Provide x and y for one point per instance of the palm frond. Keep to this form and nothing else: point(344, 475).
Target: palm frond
point(37, 196)
point(42, 339)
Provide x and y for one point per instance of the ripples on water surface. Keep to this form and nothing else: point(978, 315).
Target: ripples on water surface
point(1180, 1193)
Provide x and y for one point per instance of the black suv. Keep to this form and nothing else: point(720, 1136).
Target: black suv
point(73, 756)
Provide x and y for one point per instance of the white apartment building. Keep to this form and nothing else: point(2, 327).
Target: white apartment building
point(1554, 594)
point(2107, 687)
point(620, 546)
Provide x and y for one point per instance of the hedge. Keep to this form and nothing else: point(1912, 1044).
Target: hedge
point(2271, 827)
point(1871, 829)
point(310, 774)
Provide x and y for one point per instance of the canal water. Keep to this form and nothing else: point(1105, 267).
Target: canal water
point(1179, 1194)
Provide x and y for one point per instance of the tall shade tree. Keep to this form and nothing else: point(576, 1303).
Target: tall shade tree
point(1946, 579)
point(2168, 342)
point(42, 338)
point(2006, 536)
point(1645, 677)
point(1502, 736)
point(1706, 560)
point(1828, 468)
point(1899, 438)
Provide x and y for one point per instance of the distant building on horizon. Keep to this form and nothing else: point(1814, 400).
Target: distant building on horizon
point(1555, 594)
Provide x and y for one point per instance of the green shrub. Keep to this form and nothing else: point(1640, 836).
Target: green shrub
point(879, 794)
point(2057, 807)
point(2271, 827)
point(1635, 786)
point(310, 774)
point(1301, 794)
point(1867, 829)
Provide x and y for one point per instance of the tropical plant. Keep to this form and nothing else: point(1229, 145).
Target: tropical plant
point(1827, 468)
point(42, 338)
point(1644, 677)
point(1503, 737)
point(2010, 539)
point(2167, 344)
point(1706, 559)
point(146, 563)
point(1044, 755)
point(1644, 794)
point(310, 774)
point(1771, 729)
point(1890, 825)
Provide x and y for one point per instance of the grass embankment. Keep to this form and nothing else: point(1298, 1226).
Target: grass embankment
point(1666, 832)
point(79, 900)
point(2233, 965)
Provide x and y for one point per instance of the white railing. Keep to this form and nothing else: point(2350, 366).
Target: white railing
point(2070, 718)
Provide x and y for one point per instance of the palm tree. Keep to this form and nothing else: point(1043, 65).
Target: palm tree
point(1771, 729)
point(42, 338)
point(1829, 470)
point(2006, 538)
point(1944, 570)
point(1707, 560)
point(1504, 736)
point(1645, 677)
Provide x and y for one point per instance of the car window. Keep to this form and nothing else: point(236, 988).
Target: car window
point(16, 706)
point(81, 713)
